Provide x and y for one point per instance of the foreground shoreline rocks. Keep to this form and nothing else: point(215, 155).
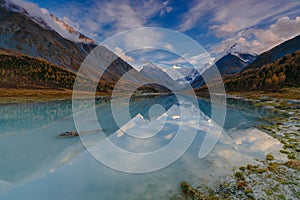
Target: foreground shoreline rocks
point(270, 178)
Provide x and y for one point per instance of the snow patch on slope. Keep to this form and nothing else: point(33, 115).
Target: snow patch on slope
point(42, 17)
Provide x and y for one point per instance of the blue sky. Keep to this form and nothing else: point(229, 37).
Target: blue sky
point(255, 25)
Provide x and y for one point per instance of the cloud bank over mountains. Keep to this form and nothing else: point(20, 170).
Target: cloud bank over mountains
point(255, 25)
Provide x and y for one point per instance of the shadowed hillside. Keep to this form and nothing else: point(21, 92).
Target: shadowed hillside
point(287, 47)
point(284, 72)
point(28, 73)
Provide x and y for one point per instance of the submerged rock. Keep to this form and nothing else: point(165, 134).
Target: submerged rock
point(69, 134)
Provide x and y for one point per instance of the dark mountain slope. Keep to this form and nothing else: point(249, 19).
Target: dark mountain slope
point(231, 64)
point(24, 72)
point(32, 37)
point(287, 47)
point(284, 72)
point(227, 65)
point(20, 33)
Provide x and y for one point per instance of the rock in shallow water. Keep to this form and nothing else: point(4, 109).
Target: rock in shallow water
point(69, 134)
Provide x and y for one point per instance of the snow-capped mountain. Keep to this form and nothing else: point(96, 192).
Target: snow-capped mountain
point(183, 75)
point(73, 33)
point(282, 59)
point(241, 52)
point(245, 57)
point(46, 20)
point(180, 78)
point(288, 47)
point(231, 63)
point(159, 75)
point(234, 62)
point(190, 75)
point(25, 29)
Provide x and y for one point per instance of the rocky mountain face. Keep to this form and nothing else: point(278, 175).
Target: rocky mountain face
point(38, 37)
point(31, 36)
point(19, 71)
point(234, 62)
point(283, 72)
point(48, 39)
point(271, 70)
point(76, 34)
point(275, 68)
point(155, 74)
point(272, 55)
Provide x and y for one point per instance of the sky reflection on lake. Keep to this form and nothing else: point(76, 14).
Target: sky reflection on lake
point(36, 164)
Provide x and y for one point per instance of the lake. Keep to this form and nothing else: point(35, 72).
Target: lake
point(37, 164)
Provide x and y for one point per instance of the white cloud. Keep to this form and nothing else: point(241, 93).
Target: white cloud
point(259, 40)
point(200, 60)
point(106, 18)
point(287, 27)
point(196, 11)
point(120, 14)
point(176, 61)
point(238, 15)
point(167, 9)
point(44, 11)
point(176, 67)
point(122, 55)
point(170, 47)
point(132, 40)
point(225, 29)
point(237, 22)
point(230, 16)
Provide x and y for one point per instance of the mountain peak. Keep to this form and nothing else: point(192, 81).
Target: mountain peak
point(27, 29)
point(234, 62)
point(232, 48)
point(272, 55)
point(237, 50)
point(82, 38)
point(148, 64)
point(46, 20)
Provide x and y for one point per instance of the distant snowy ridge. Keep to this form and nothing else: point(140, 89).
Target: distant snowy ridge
point(42, 17)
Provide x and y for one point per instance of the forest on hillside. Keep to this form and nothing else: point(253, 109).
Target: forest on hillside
point(283, 72)
point(27, 72)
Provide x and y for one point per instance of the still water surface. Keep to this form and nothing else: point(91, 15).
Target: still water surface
point(37, 164)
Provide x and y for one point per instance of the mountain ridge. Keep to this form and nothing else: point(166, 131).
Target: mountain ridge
point(47, 21)
point(273, 75)
point(287, 47)
point(233, 63)
point(19, 33)
point(283, 72)
point(22, 71)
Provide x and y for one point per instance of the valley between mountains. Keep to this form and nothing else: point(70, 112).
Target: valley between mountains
point(40, 56)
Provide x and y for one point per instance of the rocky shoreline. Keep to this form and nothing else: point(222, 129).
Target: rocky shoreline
point(271, 178)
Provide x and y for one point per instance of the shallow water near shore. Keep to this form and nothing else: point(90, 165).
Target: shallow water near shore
point(37, 164)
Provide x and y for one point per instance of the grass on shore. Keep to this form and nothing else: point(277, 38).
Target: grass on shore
point(284, 93)
point(271, 178)
point(11, 96)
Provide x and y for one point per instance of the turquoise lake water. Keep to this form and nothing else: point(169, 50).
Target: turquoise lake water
point(37, 164)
